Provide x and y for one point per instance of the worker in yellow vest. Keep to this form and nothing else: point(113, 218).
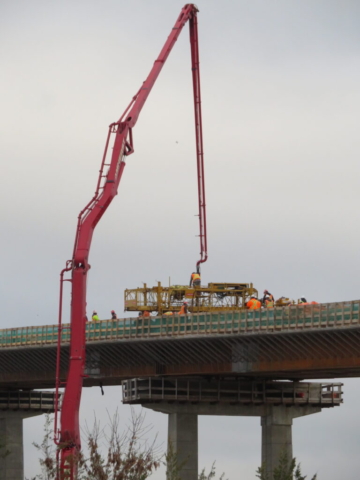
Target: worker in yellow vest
point(195, 280)
point(253, 303)
point(269, 303)
point(95, 316)
point(303, 301)
point(268, 297)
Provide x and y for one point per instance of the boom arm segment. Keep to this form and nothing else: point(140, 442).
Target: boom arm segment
point(199, 140)
point(69, 436)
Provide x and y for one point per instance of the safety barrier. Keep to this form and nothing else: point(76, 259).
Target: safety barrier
point(326, 315)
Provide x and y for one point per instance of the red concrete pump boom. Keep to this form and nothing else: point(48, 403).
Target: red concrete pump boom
point(68, 436)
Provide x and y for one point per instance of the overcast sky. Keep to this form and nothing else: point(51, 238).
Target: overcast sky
point(281, 96)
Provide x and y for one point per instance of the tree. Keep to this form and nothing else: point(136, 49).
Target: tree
point(173, 467)
point(286, 470)
point(211, 474)
point(127, 455)
point(47, 448)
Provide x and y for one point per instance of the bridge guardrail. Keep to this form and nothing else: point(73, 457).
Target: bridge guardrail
point(326, 315)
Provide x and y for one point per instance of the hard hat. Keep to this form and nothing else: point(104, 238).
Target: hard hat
point(185, 302)
point(265, 291)
point(112, 311)
point(94, 312)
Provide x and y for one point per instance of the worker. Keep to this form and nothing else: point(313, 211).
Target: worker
point(303, 301)
point(269, 303)
point(253, 303)
point(95, 317)
point(184, 309)
point(113, 315)
point(268, 297)
point(195, 280)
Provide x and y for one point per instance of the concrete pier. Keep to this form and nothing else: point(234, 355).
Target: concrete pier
point(276, 439)
point(277, 403)
point(183, 436)
point(276, 423)
point(11, 440)
point(15, 406)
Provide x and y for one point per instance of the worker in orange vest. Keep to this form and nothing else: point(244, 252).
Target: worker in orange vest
point(144, 316)
point(253, 303)
point(184, 309)
point(195, 279)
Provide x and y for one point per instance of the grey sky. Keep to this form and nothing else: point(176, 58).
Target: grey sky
point(281, 96)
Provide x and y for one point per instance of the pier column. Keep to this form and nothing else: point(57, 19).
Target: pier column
point(11, 441)
point(183, 437)
point(277, 433)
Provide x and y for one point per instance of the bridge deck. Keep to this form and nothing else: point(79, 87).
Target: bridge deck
point(324, 316)
point(320, 341)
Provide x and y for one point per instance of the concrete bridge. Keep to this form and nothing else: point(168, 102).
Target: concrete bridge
point(244, 349)
point(317, 341)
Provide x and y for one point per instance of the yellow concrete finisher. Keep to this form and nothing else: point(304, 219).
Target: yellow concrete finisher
point(211, 298)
